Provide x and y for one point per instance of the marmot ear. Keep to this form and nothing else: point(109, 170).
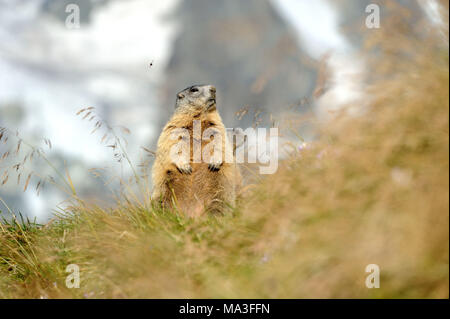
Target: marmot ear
point(180, 95)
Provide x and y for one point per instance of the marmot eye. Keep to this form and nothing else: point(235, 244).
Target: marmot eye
point(193, 90)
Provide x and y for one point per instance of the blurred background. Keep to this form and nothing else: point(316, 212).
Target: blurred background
point(128, 59)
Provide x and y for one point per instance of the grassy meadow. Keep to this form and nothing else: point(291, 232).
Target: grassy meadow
point(372, 189)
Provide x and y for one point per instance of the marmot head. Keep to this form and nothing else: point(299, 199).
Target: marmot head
point(196, 98)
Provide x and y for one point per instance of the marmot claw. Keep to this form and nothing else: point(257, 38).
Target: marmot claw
point(214, 167)
point(185, 169)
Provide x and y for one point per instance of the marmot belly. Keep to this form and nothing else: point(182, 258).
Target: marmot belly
point(203, 190)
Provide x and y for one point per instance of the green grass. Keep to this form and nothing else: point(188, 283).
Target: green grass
point(149, 249)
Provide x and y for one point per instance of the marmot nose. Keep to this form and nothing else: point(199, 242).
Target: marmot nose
point(212, 89)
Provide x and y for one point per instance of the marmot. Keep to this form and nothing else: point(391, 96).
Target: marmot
point(187, 173)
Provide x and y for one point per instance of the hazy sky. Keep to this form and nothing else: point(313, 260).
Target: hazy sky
point(316, 24)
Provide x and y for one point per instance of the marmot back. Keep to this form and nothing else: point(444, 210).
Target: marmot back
point(194, 168)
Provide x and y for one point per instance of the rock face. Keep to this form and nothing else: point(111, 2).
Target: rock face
point(245, 49)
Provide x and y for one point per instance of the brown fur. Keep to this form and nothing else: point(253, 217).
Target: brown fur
point(202, 190)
